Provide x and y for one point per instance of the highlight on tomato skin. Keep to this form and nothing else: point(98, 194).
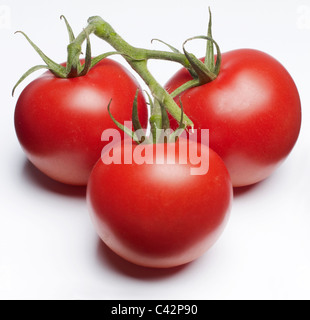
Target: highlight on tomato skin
point(159, 215)
point(252, 109)
point(59, 122)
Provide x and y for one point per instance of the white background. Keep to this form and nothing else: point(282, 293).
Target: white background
point(48, 246)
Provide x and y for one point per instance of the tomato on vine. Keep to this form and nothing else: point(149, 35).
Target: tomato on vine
point(60, 116)
point(156, 214)
point(154, 204)
point(249, 103)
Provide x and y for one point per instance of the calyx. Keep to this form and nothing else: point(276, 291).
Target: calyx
point(73, 67)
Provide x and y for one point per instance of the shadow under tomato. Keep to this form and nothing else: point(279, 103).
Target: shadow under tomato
point(40, 180)
point(242, 191)
point(107, 257)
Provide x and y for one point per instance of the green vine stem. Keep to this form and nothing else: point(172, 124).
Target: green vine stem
point(137, 59)
point(202, 72)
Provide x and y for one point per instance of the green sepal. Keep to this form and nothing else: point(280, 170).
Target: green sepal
point(57, 69)
point(87, 64)
point(204, 74)
point(126, 130)
point(26, 74)
point(151, 104)
point(136, 121)
point(99, 58)
point(173, 49)
point(209, 60)
point(181, 125)
point(177, 133)
point(135, 117)
point(70, 32)
point(218, 63)
point(155, 119)
point(71, 39)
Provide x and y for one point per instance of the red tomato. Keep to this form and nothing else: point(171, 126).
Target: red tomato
point(253, 112)
point(59, 122)
point(159, 215)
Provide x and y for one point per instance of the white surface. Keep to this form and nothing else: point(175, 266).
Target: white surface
point(48, 247)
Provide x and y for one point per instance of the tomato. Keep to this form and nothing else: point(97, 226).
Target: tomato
point(252, 109)
point(59, 122)
point(159, 215)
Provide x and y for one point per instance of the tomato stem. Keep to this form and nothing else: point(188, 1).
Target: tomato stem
point(137, 59)
point(73, 67)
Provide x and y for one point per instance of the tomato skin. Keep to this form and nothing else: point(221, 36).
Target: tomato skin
point(252, 109)
point(59, 122)
point(158, 215)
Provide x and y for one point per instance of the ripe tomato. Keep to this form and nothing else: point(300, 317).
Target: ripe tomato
point(253, 112)
point(159, 215)
point(59, 122)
